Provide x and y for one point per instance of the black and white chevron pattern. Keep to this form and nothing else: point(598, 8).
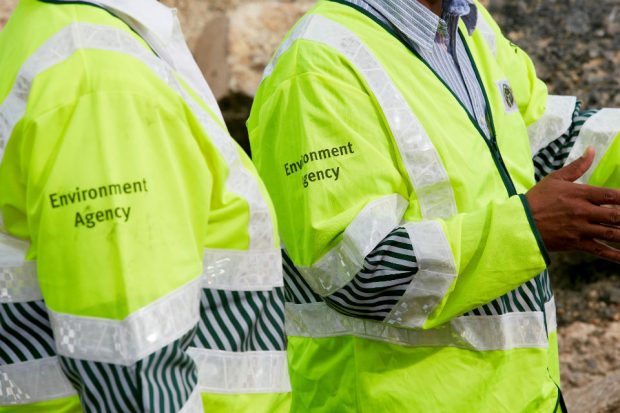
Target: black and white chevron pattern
point(376, 289)
point(530, 296)
point(553, 156)
point(25, 332)
point(241, 321)
point(161, 382)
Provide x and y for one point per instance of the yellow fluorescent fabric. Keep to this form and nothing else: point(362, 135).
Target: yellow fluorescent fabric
point(255, 403)
point(120, 177)
point(367, 376)
point(321, 100)
point(326, 148)
point(65, 405)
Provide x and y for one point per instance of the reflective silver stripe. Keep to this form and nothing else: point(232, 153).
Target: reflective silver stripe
point(436, 273)
point(130, 340)
point(424, 166)
point(234, 270)
point(481, 333)
point(194, 403)
point(550, 314)
point(33, 381)
point(340, 265)
point(553, 123)
point(241, 373)
point(18, 277)
point(487, 32)
point(598, 132)
point(89, 36)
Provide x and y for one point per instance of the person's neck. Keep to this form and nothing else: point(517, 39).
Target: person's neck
point(433, 5)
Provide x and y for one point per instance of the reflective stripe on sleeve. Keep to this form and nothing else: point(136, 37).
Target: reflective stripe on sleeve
point(424, 167)
point(130, 340)
point(241, 373)
point(33, 381)
point(556, 120)
point(340, 265)
point(436, 273)
point(18, 277)
point(550, 314)
point(232, 270)
point(481, 333)
point(598, 132)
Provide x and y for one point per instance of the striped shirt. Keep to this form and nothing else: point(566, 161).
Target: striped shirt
point(437, 42)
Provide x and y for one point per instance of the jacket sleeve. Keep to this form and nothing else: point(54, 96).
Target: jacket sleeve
point(336, 212)
point(551, 118)
point(117, 236)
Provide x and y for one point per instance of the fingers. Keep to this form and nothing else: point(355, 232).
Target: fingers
point(601, 196)
point(603, 233)
point(576, 169)
point(601, 250)
point(602, 215)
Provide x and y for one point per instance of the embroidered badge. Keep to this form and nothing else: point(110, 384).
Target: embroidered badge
point(507, 95)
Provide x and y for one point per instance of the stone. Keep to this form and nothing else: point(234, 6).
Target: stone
point(598, 396)
point(256, 30)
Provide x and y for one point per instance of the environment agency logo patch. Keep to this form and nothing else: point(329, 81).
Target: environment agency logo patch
point(507, 95)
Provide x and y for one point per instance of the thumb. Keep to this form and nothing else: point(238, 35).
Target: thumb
point(576, 169)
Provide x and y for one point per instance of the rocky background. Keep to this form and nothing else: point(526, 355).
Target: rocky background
point(576, 47)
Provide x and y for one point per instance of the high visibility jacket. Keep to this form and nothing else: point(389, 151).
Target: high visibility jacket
point(130, 211)
point(355, 135)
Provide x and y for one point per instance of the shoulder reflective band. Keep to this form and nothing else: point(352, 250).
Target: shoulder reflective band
point(18, 277)
point(556, 120)
point(598, 132)
point(33, 381)
point(480, 333)
point(233, 270)
point(436, 273)
point(132, 339)
point(424, 166)
point(89, 36)
point(340, 265)
point(241, 373)
point(486, 31)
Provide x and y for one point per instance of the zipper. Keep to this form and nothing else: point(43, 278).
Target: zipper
point(493, 146)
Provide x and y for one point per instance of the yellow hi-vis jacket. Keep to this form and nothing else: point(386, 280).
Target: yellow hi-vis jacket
point(354, 136)
point(130, 211)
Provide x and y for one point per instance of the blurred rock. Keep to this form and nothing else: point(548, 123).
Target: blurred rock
point(6, 7)
point(599, 396)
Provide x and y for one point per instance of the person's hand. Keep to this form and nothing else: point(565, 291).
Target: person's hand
point(575, 217)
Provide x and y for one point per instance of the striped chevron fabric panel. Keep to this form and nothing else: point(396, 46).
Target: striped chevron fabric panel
point(553, 156)
point(25, 332)
point(162, 382)
point(296, 290)
point(374, 291)
point(531, 296)
point(240, 321)
point(387, 272)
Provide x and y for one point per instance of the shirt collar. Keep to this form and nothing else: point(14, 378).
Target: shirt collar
point(419, 24)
